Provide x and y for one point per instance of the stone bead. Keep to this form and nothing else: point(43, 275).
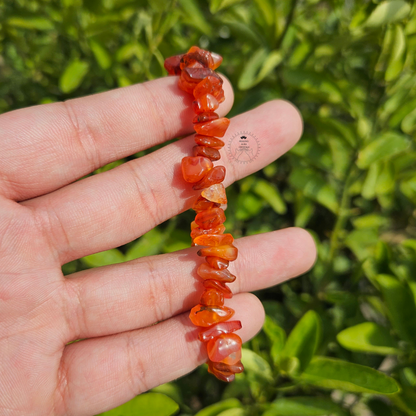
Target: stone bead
point(209, 141)
point(205, 103)
point(228, 252)
point(215, 193)
point(218, 286)
point(215, 175)
point(200, 55)
point(212, 297)
point(226, 376)
point(210, 219)
point(186, 86)
point(217, 59)
point(213, 128)
point(218, 329)
point(220, 96)
point(217, 262)
point(231, 368)
point(194, 169)
point(196, 75)
point(209, 273)
point(203, 117)
point(209, 152)
point(205, 316)
point(203, 204)
point(172, 64)
point(200, 231)
point(214, 240)
point(226, 348)
point(209, 85)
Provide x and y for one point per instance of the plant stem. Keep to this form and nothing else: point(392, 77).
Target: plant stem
point(343, 215)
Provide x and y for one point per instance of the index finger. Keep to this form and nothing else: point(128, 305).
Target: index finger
point(48, 146)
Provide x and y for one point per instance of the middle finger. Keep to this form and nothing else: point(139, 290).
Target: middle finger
point(115, 207)
point(138, 293)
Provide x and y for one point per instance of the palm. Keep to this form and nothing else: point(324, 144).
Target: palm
point(47, 219)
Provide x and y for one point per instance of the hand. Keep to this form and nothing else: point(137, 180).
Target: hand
point(47, 219)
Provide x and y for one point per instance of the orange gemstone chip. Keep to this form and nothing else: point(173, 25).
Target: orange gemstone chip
point(214, 240)
point(195, 168)
point(214, 176)
point(207, 272)
point(210, 219)
point(213, 128)
point(209, 141)
point(218, 329)
point(228, 252)
point(226, 348)
point(205, 316)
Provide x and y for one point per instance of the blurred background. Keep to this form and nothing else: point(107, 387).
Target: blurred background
point(341, 339)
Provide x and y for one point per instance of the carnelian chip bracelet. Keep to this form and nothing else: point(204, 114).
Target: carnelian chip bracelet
point(197, 77)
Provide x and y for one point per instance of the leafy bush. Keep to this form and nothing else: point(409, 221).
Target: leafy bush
point(341, 339)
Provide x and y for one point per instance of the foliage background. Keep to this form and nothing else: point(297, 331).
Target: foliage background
point(349, 67)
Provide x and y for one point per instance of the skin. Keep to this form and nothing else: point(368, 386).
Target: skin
point(47, 219)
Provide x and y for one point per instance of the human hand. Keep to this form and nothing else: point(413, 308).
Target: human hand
point(47, 219)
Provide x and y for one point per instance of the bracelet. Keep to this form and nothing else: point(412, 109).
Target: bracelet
point(197, 77)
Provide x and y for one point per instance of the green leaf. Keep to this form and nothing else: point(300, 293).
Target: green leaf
point(400, 306)
point(368, 337)
point(73, 75)
point(332, 374)
point(408, 124)
point(171, 390)
point(362, 242)
point(243, 31)
point(267, 9)
point(314, 186)
point(270, 194)
point(248, 206)
point(369, 187)
point(315, 83)
point(384, 147)
point(304, 406)
point(34, 22)
point(129, 50)
point(178, 240)
point(304, 339)
point(248, 76)
point(233, 412)
point(396, 60)
point(312, 152)
point(147, 245)
point(194, 16)
point(252, 73)
point(101, 55)
point(386, 180)
point(369, 221)
point(219, 407)
point(388, 12)
point(217, 5)
point(256, 365)
point(273, 59)
point(147, 404)
point(104, 258)
point(305, 209)
point(277, 336)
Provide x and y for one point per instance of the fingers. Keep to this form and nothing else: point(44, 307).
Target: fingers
point(102, 373)
point(105, 300)
point(48, 146)
point(117, 206)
